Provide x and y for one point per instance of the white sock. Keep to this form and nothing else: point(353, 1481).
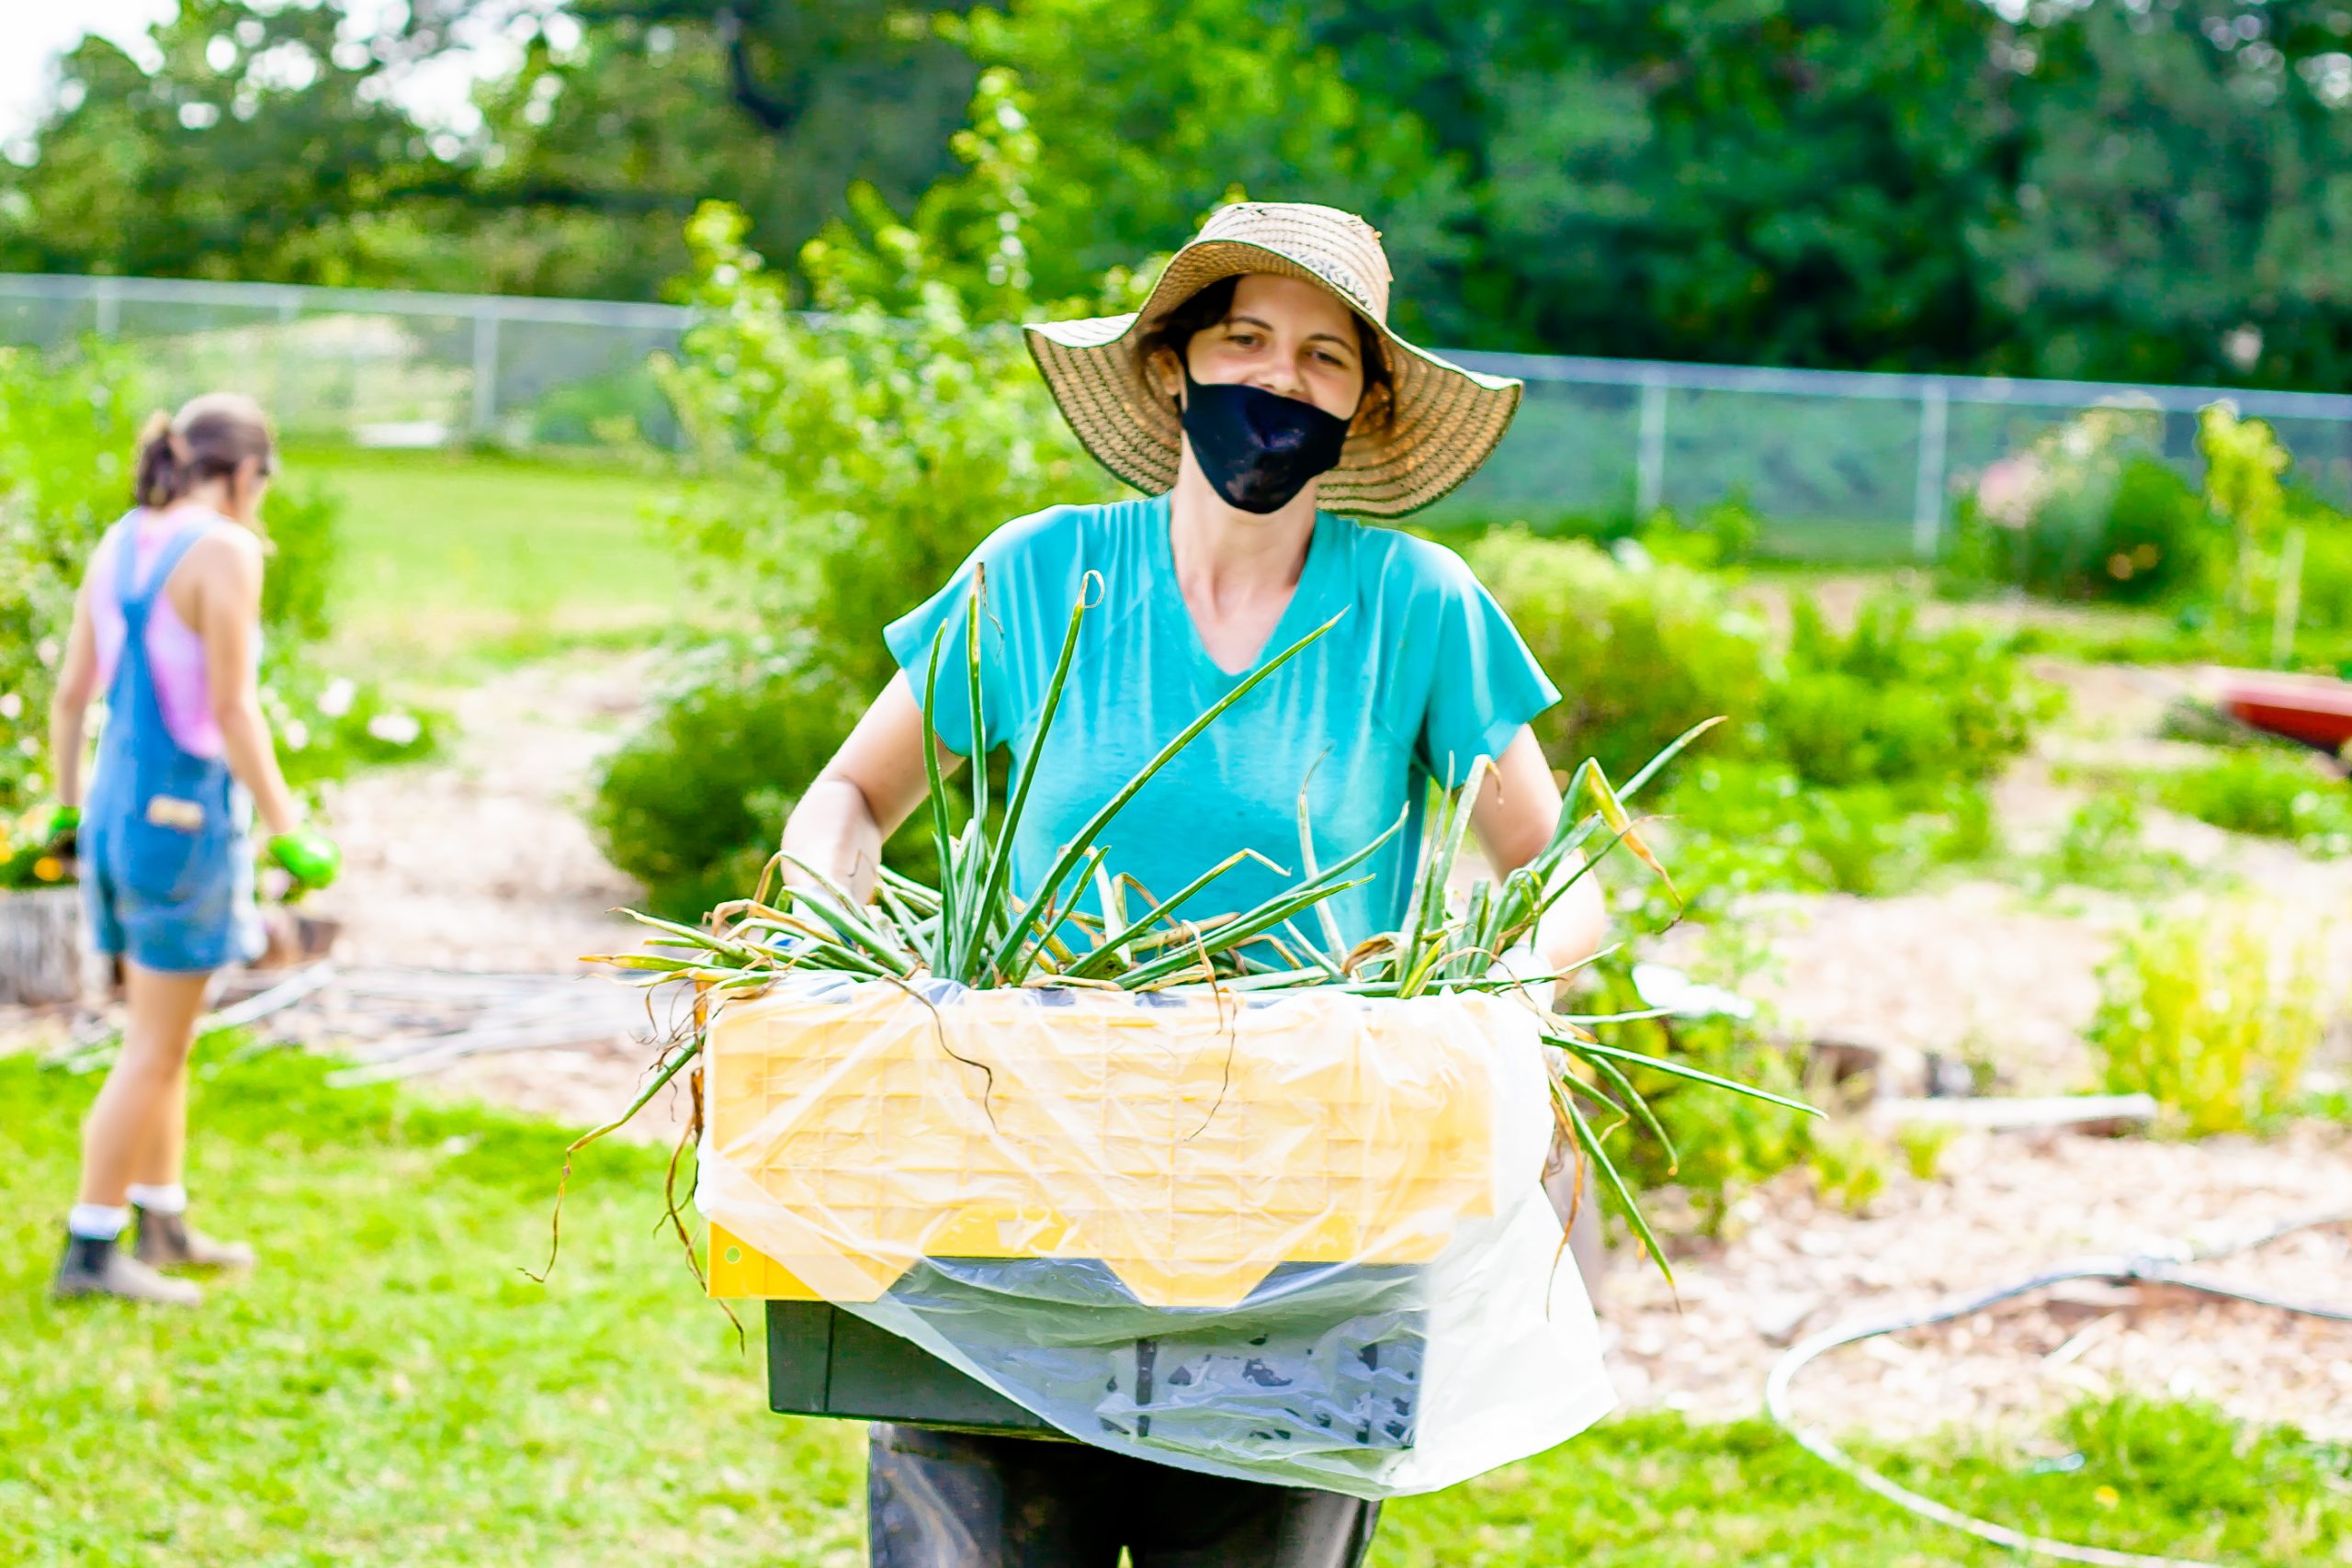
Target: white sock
point(172, 1200)
point(97, 1222)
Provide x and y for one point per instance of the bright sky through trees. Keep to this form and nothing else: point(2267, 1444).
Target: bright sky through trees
point(438, 93)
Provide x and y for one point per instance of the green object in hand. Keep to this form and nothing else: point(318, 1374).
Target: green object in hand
point(64, 840)
point(308, 855)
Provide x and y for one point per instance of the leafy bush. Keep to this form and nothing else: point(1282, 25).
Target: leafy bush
point(1891, 704)
point(2205, 1012)
point(1726, 1143)
point(2102, 846)
point(702, 791)
point(2266, 791)
point(328, 724)
point(1639, 656)
point(67, 428)
point(2091, 509)
point(844, 467)
point(2327, 593)
point(1734, 828)
point(298, 585)
point(2245, 467)
point(1854, 761)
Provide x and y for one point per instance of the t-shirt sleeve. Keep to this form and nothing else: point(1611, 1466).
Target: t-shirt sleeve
point(1486, 682)
point(1010, 569)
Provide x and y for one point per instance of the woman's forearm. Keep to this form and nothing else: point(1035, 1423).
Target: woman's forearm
point(833, 830)
point(1572, 929)
point(252, 758)
point(65, 721)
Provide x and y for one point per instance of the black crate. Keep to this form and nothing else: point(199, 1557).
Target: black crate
point(825, 1361)
point(1317, 1353)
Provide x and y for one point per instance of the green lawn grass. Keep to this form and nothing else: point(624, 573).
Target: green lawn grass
point(389, 1388)
point(450, 560)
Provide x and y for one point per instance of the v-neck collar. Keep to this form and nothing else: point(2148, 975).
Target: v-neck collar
point(1309, 603)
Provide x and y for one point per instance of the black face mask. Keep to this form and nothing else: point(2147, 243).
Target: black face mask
point(1259, 450)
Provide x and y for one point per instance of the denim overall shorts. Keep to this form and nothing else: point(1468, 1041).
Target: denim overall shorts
point(166, 866)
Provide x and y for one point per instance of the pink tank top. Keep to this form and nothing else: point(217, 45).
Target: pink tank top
point(175, 649)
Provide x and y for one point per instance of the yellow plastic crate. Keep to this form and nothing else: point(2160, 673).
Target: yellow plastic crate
point(1191, 1143)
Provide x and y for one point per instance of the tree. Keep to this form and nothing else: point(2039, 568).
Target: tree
point(774, 107)
point(2183, 205)
point(1153, 112)
point(253, 150)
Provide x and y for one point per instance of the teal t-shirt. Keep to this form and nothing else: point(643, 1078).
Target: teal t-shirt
point(1422, 675)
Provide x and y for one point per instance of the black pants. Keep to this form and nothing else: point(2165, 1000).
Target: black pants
point(954, 1500)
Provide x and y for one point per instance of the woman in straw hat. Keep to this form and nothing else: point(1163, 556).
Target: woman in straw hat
point(1258, 393)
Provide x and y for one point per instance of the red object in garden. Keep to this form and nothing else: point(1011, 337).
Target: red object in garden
point(2313, 709)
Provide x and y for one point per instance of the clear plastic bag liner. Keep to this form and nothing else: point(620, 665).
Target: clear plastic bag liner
point(1297, 1237)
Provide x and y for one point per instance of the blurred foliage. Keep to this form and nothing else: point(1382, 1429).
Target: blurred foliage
point(694, 803)
point(844, 467)
point(1853, 760)
point(2277, 792)
point(2089, 510)
point(2214, 1014)
point(2149, 192)
point(2103, 846)
point(2256, 570)
point(1890, 702)
point(66, 434)
point(1639, 654)
point(1722, 1144)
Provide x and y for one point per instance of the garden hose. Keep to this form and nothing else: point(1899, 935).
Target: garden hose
point(2147, 1268)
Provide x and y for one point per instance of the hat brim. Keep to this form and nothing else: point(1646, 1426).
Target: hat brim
point(1445, 422)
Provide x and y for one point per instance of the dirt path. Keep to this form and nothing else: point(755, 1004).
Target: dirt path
point(480, 861)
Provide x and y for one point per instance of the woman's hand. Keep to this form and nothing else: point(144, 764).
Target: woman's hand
point(1517, 812)
point(873, 782)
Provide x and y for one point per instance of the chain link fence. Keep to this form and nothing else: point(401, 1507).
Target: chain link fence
point(1832, 465)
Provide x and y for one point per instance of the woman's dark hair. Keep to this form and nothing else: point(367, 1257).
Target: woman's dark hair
point(209, 438)
point(1175, 330)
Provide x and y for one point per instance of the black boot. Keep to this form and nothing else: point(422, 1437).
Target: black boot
point(95, 1267)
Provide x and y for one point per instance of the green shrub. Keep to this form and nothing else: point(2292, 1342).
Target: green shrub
point(67, 426)
point(694, 803)
point(1923, 1145)
point(1639, 656)
point(2090, 510)
point(2266, 791)
point(1854, 761)
point(298, 585)
point(708, 780)
point(1723, 1147)
point(2327, 576)
point(326, 725)
point(2206, 1013)
point(2102, 846)
point(1891, 704)
point(1732, 828)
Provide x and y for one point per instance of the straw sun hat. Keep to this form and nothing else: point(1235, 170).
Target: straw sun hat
point(1446, 419)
